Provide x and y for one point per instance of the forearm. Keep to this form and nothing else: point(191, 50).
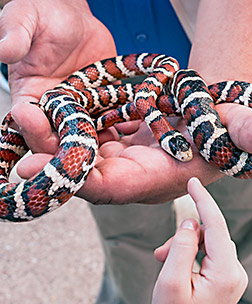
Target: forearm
point(222, 44)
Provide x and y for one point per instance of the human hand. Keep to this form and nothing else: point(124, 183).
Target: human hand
point(43, 42)
point(221, 279)
point(134, 169)
point(126, 166)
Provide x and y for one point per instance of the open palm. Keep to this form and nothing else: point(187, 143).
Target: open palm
point(48, 41)
point(43, 44)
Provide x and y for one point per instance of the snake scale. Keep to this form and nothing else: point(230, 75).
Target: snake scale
point(75, 110)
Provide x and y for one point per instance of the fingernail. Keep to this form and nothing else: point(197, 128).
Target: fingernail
point(189, 224)
point(195, 180)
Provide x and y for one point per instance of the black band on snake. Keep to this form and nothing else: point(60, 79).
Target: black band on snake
point(75, 110)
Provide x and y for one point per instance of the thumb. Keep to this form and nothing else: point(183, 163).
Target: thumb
point(35, 127)
point(17, 25)
point(177, 270)
point(238, 120)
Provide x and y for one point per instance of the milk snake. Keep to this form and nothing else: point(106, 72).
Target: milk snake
point(74, 109)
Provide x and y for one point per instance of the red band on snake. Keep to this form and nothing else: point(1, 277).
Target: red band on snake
point(73, 109)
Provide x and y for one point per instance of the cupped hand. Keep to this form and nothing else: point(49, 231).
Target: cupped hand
point(134, 169)
point(221, 278)
point(43, 42)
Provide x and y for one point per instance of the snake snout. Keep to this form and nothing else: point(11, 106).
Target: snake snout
point(185, 156)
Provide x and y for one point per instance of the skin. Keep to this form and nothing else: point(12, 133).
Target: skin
point(221, 278)
point(42, 49)
point(123, 173)
point(226, 45)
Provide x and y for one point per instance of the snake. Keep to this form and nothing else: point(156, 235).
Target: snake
point(75, 109)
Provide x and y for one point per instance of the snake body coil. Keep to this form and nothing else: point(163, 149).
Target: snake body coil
point(73, 109)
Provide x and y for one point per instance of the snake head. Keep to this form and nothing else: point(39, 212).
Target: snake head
point(175, 144)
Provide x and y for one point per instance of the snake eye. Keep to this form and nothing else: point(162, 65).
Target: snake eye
point(173, 146)
point(182, 143)
point(178, 144)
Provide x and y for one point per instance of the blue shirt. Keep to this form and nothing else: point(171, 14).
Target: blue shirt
point(143, 26)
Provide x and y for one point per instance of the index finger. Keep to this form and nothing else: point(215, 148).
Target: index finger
point(218, 244)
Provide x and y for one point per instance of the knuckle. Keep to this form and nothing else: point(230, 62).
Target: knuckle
point(234, 281)
point(243, 277)
point(171, 284)
point(186, 239)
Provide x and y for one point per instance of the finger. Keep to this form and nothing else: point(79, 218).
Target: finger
point(31, 165)
point(162, 252)
point(142, 136)
point(128, 127)
point(109, 134)
point(238, 120)
point(177, 270)
point(16, 32)
point(35, 128)
point(218, 244)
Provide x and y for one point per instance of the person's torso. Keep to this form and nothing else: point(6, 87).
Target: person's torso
point(146, 26)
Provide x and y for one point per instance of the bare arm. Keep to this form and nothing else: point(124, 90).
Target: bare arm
point(222, 51)
point(222, 44)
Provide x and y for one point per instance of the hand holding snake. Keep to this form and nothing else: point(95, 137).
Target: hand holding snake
point(120, 158)
point(69, 106)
